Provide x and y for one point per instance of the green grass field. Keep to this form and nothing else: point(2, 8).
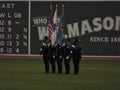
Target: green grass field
point(29, 75)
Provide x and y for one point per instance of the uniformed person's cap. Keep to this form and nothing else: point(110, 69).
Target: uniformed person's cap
point(68, 40)
point(45, 38)
point(76, 41)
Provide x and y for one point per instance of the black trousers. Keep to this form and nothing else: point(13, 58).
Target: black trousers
point(59, 65)
point(46, 63)
point(76, 62)
point(53, 66)
point(67, 65)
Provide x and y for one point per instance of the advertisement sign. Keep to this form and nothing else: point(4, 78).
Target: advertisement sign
point(95, 24)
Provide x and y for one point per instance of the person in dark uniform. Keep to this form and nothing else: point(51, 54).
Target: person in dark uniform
point(44, 51)
point(59, 54)
point(67, 55)
point(52, 56)
point(76, 48)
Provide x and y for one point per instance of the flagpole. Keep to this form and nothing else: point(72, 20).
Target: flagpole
point(50, 18)
point(51, 11)
point(57, 12)
point(50, 6)
point(62, 27)
point(56, 23)
point(62, 7)
point(56, 5)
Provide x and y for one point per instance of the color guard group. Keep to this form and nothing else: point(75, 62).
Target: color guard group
point(59, 56)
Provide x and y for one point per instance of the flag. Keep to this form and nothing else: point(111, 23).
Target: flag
point(50, 29)
point(50, 23)
point(62, 18)
point(59, 37)
point(61, 27)
point(52, 26)
point(54, 31)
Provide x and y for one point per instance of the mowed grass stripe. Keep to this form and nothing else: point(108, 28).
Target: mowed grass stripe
point(29, 75)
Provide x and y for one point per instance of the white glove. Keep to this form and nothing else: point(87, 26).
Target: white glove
point(73, 46)
point(71, 52)
point(41, 49)
point(67, 57)
point(53, 56)
point(63, 44)
point(60, 57)
point(44, 44)
point(48, 44)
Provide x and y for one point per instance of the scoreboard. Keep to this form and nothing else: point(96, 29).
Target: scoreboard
point(13, 27)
